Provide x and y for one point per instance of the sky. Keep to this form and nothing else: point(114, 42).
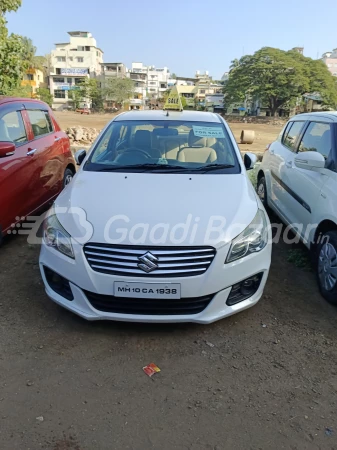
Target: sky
point(183, 35)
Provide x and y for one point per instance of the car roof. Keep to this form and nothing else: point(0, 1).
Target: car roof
point(188, 116)
point(4, 99)
point(332, 115)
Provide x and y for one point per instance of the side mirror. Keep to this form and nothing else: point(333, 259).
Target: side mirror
point(79, 156)
point(310, 160)
point(249, 160)
point(6, 149)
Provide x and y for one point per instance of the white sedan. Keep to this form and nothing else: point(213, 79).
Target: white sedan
point(160, 224)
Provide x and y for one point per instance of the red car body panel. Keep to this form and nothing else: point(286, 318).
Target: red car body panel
point(32, 177)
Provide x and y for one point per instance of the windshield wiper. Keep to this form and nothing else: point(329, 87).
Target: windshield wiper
point(210, 167)
point(146, 167)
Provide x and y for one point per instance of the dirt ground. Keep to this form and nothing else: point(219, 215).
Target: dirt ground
point(265, 378)
point(264, 134)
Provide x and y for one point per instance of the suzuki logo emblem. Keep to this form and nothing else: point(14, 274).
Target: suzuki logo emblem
point(148, 262)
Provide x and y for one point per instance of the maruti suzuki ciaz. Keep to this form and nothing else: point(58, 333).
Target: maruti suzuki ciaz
point(160, 224)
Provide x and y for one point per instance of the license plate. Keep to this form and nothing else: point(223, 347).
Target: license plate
point(147, 290)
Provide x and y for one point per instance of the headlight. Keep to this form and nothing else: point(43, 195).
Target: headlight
point(56, 236)
point(253, 239)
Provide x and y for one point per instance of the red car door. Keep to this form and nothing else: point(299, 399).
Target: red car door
point(16, 171)
point(48, 154)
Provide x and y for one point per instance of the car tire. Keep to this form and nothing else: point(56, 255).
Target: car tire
point(68, 176)
point(326, 266)
point(261, 189)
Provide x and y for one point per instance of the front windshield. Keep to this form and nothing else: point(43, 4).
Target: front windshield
point(164, 146)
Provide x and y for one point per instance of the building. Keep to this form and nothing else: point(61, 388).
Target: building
point(71, 62)
point(206, 86)
point(34, 78)
point(189, 93)
point(298, 50)
point(140, 80)
point(113, 70)
point(330, 59)
point(156, 79)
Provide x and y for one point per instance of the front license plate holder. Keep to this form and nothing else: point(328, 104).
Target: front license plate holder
point(147, 290)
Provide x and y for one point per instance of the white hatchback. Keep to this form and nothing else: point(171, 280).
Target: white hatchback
point(298, 180)
point(160, 224)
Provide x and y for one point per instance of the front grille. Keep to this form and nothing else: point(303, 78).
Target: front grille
point(146, 306)
point(124, 260)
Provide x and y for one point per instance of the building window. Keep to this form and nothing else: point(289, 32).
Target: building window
point(152, 90)
point(58, 80)
point(163, 86)
point(78, 81)
point(71, 58)
point(69, 80)
point(109, 104)
point(80, 59)
point(58, 71)
point(61, 59)
point(59, 94)
point(80, 48)
point(30, 77)
point(202, 91)
point(152, 82)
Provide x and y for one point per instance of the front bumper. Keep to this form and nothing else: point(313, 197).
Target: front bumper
point(217, 280)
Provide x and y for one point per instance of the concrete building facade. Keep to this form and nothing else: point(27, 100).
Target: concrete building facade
point(35, 78)
point(157, 79)
point(70, 63)
point(330, 59)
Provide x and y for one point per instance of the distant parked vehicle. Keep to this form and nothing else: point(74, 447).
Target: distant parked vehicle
point(83, 110)
point(35, 159)
point(298, 180)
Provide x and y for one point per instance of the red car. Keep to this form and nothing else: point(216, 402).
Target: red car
point(35, 159)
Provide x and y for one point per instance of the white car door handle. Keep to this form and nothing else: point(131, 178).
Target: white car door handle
point(57, 138)
point(289, 164)
point(31, 152)
point(271, 151)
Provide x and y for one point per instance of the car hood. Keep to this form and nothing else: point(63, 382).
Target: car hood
point(156, 209)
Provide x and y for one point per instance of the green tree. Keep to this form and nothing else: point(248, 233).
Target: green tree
point(277, 77)
point(12, 65)
point(45, 95)
point(173, 76)
point(183, 102)
point(119, 89)
point(76, 96)
point(92, 91)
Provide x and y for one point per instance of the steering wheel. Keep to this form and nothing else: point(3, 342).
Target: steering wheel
point(138, 150)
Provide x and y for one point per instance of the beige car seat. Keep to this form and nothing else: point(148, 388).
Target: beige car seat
point(197, 150)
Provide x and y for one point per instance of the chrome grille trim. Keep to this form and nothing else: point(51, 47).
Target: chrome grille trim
point(171, 261)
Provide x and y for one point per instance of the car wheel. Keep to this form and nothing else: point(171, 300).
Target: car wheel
point(68, 176)
point(327, 266)
point(262, 191)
